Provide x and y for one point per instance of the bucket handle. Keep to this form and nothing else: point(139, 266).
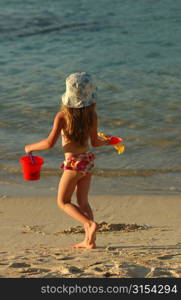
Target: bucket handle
point(32, 158)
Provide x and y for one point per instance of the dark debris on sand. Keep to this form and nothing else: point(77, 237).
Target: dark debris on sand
point(106, 227)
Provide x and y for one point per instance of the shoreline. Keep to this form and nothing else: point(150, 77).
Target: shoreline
point(34, 241)
point(99, 186)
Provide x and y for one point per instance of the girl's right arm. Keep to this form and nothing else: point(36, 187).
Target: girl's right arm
point(95, 140)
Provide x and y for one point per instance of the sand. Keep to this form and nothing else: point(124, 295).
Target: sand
point(138, 237)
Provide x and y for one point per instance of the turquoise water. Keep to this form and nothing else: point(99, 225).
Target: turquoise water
point(132, 49)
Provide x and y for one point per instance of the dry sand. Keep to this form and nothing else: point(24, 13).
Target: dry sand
point(139, 237)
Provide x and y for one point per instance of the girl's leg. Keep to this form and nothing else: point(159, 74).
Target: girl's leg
point(67, 186)
point(82, 190)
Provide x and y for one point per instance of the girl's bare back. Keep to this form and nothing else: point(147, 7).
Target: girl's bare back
point(72, 148)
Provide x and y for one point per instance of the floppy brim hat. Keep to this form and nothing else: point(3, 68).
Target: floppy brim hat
point(80, 91)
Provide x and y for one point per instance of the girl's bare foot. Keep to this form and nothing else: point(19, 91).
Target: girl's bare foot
point(80, 245)
point(85, 241)
point(89, 241)
point(85, 245)
point(91, 229)
point(91, 246)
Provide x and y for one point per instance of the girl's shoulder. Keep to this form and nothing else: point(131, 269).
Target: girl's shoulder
point(59, 119)
point(60, 115)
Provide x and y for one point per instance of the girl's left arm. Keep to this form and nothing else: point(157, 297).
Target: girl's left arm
point(52, 138)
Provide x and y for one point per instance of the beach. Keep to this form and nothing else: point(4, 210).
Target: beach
point(138, 237)
point(135, 63)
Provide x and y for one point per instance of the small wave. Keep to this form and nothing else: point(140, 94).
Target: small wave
point(134, 173)
point(31, 28)
point(58, 28)
point(101, 172)
point(14, 26)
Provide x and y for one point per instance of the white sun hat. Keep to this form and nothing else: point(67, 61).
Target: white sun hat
point(80, 91)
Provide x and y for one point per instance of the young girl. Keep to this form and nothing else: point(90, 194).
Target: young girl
point(77, 123)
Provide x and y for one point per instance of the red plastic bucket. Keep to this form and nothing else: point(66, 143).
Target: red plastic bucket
point(31, 169)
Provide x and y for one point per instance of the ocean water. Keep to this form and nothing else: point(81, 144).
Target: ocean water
point(132, 49)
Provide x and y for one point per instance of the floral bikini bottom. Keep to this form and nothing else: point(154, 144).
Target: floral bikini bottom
point(83, 162)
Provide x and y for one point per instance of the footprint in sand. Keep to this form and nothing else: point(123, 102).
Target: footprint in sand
point(4, 263)
point(68, 270)
point(19, 265)
point(160, 272)
point(59, 256)
point(35, 270)
point(165, 257)
point(96, 270)
point(65, 258)
point(135, 271)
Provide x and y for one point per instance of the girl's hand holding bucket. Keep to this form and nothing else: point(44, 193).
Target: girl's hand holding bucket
point(31, 165)
point(27, 149)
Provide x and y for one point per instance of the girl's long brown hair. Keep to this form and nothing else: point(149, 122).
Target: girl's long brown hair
point(78, 121)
